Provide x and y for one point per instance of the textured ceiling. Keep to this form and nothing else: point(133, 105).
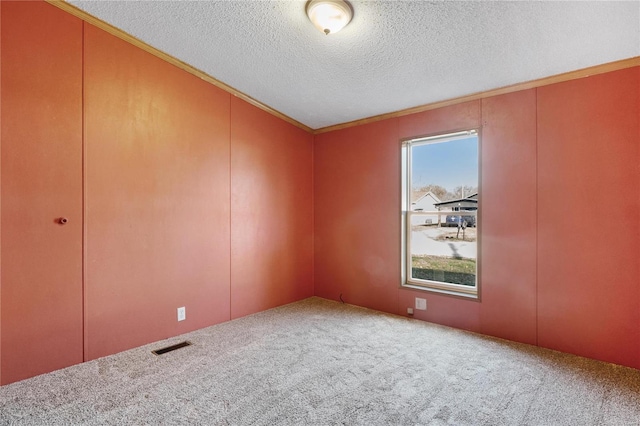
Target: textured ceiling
point(394, 55)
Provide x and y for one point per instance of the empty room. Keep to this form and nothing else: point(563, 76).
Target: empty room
point(319, 212)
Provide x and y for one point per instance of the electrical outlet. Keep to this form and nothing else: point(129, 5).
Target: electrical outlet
point(182, 313)
point(409, 311)
point(421, 304)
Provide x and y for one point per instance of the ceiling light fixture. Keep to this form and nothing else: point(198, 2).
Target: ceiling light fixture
point(329, 16)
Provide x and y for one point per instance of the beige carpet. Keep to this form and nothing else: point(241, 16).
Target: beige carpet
point(317, 362)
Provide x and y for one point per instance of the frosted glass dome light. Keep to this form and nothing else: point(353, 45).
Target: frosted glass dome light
point(329, 16)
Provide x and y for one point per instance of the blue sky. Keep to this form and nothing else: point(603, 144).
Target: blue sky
point(447, 164)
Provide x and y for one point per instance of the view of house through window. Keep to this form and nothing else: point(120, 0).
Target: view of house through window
point(440, 206)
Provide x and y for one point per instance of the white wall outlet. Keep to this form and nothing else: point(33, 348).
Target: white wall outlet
point(409, 311)
point(421, 304)
point(182, 313)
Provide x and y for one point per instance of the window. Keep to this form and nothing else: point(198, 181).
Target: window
point(440, 213)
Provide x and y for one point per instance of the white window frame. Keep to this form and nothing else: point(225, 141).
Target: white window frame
point(407, 214)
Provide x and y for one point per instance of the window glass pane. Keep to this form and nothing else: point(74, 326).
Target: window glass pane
point(442, 186)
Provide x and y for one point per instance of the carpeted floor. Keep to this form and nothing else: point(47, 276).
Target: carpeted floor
point(317, 362)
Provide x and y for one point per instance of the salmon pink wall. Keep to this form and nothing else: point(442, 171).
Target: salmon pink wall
point(589, 217)
point(508, 215)
point(157, 197)
point(153, 157)
point(452, 118)
point(271, 211)
point(41, 133)
point(357, 231)
point(548, 155)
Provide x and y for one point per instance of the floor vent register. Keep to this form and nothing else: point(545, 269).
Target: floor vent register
point(163, 351)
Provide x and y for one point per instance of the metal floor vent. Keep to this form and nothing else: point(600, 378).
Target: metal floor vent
point(171, 348)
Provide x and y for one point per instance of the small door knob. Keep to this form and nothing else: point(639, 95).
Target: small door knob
point(63, 220)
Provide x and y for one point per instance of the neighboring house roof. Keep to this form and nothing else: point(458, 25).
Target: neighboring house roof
point(470, 201)
point(430, 194)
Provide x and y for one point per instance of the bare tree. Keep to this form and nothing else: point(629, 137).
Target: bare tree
point(463, 191)
point(442, 193)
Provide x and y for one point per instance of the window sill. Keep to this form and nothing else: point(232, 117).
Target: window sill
point(448, 292)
